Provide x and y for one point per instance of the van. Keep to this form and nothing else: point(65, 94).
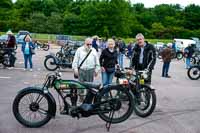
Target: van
point(183, 43)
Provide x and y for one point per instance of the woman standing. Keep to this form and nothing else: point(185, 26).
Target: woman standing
point(28, 50)
point(108, 60)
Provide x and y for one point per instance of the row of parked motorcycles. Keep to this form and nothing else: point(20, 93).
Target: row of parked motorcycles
point(194, 71)
point(113, 103)
point(5, 54)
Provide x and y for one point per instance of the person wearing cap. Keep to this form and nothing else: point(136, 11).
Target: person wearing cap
point(11, 44)
point(27, 47)
point(90, 66)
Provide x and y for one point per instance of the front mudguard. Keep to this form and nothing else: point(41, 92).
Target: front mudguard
point(51, 100)
point(54, 57)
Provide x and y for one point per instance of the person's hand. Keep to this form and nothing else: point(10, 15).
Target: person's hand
point(96, 74)
point(147, 70)
point(103, 69)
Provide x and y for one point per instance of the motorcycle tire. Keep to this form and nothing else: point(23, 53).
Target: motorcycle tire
point(52, 62)
point(194, 72)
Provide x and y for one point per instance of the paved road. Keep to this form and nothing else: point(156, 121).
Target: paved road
point(177, 110)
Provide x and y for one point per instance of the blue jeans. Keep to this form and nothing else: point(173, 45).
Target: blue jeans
point(187, 62)
point(107, 78)
point(28, 58)
point(121, 60)
point(165, 69)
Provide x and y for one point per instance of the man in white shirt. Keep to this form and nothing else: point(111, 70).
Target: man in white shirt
point(90, 67)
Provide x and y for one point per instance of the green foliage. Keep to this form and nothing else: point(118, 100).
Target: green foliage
point(105, 18)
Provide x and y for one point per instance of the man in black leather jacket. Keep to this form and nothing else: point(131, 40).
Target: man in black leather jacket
point(144, 56)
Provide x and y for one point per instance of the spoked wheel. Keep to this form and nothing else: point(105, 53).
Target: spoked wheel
point(194, 72)
point(50, 64)
point(193, 61)
point(179, 56)
point(31, 108)
point(117, 101)
point(6, 59)
point(145, 101)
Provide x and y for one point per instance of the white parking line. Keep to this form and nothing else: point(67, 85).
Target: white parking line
point(17, 68)
point(5, 77)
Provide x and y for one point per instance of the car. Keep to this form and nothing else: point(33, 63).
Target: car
point(20, 39)
point(63, 39)
point(3, 38)
point(22, 32)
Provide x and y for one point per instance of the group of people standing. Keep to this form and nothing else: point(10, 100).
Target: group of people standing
point(87, 63)
point(27, 49)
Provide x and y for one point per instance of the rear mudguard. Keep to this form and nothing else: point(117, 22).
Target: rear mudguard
point(51, 100)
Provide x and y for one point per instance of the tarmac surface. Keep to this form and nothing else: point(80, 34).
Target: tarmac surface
point(177, 109)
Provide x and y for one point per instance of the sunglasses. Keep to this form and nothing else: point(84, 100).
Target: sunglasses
point(89, 44)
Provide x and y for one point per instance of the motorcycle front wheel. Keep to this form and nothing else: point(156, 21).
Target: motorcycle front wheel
point(6, 59)
point(50, 64)
point(31, 108)
point(194, 72)
point(145, 101)
point(179, 56)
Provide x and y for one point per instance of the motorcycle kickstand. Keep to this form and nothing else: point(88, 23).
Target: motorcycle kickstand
point(108, 124)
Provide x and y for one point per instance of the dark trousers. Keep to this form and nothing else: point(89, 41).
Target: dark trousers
point(28, 58)
point(165, 69)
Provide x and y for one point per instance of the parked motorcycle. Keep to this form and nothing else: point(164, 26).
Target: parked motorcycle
point(35, 106)
point(62, 59)
point(43, 46)
point(195, 60)
point(5, 55)
point(144, 95)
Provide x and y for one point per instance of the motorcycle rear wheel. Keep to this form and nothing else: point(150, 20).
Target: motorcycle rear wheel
point(124, 99)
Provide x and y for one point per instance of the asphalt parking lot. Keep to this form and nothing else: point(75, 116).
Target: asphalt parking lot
point(177, 110)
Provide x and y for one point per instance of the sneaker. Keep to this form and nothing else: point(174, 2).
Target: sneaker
point(168, 76)
point(31, 70)
point(10, 68)
point(25, 69)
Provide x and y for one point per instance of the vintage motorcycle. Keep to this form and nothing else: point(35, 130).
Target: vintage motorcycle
point(144, 95)
point(5, 55)
point(35, 106)
point(62, 59)
point(43, 46)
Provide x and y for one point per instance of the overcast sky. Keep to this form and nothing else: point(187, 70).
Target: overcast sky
point(152, 3)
